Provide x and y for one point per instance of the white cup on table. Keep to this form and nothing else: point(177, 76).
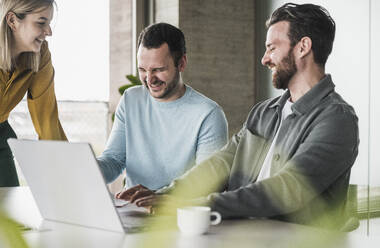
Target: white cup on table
point(196, 220)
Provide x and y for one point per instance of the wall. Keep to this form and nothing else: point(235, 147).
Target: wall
point(120, 47)
point(220, 51)
point(374, 133)
point(166, 11)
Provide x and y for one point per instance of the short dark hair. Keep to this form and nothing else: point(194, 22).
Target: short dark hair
point(309, 20)
point(155, 35)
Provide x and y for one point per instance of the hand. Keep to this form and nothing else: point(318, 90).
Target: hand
point(144, 197)
point(134, 193)
point(147, 200)
point(160, 204)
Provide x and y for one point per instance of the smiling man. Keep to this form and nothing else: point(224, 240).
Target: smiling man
point(292, 159)
point(164, 127)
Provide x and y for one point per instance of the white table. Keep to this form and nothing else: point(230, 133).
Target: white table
point(19, 204)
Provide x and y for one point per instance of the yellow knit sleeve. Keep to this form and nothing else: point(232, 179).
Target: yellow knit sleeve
point(42, 102)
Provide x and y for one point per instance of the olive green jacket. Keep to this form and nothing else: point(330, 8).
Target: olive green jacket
point(310, 170)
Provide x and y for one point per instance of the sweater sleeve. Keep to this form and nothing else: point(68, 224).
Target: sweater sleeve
point(213, 134)
point(112, 160)
point(42, 102)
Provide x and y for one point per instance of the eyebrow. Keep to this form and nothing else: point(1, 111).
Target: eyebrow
point(154, 68)
point(160, 68)
point(43, 18)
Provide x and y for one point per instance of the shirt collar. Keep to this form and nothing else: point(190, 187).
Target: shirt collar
point(311, 98)
point(282, 100)
point(175, 102)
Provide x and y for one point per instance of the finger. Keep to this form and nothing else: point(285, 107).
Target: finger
point(126, 194)
point(146, 201)
point(140, 194)
point(150, 209)
point(117, 195)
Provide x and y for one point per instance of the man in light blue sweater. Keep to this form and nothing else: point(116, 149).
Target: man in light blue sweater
point(164, 127)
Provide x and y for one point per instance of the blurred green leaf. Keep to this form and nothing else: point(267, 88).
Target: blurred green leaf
point(125, 87)
point(134, 81)
point(10, 235)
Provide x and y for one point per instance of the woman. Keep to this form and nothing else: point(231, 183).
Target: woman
point(26, 67)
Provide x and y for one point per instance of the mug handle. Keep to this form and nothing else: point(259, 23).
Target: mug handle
point(218, 218)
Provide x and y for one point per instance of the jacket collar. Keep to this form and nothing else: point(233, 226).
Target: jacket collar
point(281, 100)
point(310, 99)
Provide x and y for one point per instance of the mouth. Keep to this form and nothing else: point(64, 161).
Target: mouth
point(272, 69)
point(156, 86)
point(40, 40)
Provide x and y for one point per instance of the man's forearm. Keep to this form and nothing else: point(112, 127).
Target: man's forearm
point(110, 168)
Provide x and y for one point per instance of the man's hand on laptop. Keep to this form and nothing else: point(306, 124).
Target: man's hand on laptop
point(144, 197)
point(140, 195)
point(134, 193)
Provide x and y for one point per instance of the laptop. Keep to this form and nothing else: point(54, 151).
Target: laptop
point(68, 186)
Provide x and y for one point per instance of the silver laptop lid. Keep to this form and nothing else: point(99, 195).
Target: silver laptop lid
point(66, 182)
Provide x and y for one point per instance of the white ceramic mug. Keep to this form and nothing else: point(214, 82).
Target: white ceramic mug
point(196, 220)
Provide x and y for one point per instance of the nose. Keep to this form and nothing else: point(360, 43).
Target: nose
point(265, 59)
point(149, 77)
point(48, 31)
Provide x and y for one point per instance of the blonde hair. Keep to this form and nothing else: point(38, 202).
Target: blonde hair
point(21, 8)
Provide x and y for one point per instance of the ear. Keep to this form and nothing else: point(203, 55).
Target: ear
point(304, 47)
point(11, 20)
point(182, 63)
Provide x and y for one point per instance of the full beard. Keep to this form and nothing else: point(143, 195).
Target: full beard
point(171, 86)
point(286, 69)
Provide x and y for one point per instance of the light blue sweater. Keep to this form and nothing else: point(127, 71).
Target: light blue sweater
point(157, 142)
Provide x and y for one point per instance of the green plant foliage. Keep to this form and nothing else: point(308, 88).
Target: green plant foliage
point(134, 80)
point(10, 235)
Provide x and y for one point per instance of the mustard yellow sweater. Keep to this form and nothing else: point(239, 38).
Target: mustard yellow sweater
point(42, 103)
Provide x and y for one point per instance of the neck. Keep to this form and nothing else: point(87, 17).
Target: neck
point(180, 91)
point(15, 53)
point(303, 81)
point(176, 92)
